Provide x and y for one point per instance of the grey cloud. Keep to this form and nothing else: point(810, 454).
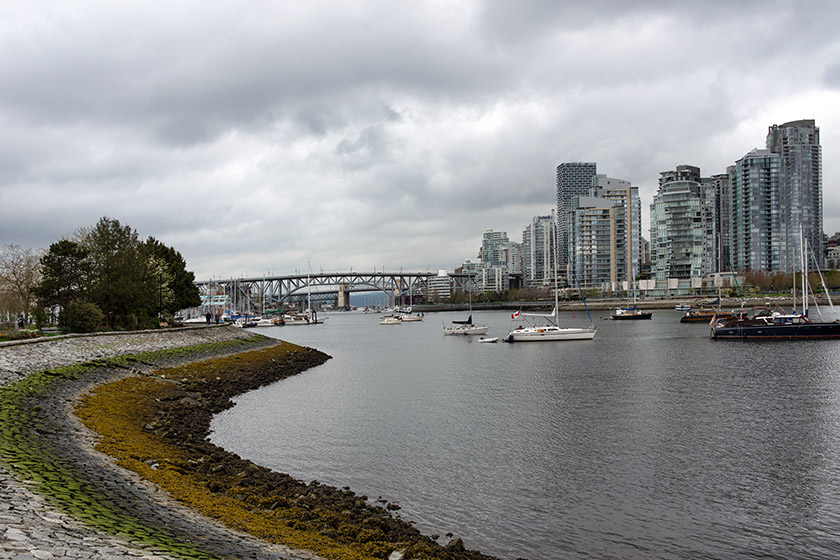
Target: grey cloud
point(256, 136)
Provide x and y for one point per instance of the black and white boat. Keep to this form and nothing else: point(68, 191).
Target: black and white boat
point(765, 324)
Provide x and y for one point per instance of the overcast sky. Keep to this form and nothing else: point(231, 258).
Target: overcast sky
point(268, 137)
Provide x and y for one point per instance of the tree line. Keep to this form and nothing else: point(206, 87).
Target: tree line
point(105, 276)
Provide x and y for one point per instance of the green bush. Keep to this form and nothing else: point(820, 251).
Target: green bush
point(80, 317)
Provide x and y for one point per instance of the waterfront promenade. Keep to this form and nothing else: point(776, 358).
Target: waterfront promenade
point(33, 527)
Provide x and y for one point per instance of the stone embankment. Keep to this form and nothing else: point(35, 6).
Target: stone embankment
point(146, 399)
point(33, 525)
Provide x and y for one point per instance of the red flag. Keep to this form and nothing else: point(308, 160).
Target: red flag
point(515, 315)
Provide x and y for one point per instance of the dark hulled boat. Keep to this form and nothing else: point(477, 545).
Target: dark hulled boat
point(766, 324)
point(630, 314)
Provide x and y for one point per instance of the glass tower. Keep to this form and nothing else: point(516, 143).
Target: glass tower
point(573, 179)
point(759, 219)
point(798, 144)
point(538, 251)
point(681, 246)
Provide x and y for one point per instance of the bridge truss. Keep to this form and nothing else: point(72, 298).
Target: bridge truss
point(258, 294)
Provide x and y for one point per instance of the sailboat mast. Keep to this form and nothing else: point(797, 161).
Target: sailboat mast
point(804, 262)
point(554, 268)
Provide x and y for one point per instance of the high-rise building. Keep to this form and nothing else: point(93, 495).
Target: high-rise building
point(627, 197)
point(573, 179)
point(596, 233)
point(510, 256)
point(798, 143)
point(491, 245)
point(439, 288)
point(721, 185)
point(473, 282)
point(538, 251)
point(605, 235)
point(681, 246)
point(495, 279)
point(759, 214)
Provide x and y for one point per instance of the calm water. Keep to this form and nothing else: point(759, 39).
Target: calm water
point(651, 441)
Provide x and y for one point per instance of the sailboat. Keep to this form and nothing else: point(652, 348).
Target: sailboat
point(466, 328)
point(765, 324)
point(549, 329)
point(631, 313)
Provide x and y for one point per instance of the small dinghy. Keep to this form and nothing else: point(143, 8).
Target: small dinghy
point(489, 339)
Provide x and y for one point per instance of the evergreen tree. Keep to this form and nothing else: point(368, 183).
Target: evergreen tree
point(65, 273)
point(123, 285)
point(179, 290)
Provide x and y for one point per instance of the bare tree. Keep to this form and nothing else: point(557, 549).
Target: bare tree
point(19, 273)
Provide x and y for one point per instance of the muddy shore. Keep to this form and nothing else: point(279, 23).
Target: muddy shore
point(66, 499)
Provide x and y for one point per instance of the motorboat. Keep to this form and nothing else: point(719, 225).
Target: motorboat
point(291, 319)
point(704, 315)
point(490, 339)
point(390, 320)
point(630, 314)
point(408, 318)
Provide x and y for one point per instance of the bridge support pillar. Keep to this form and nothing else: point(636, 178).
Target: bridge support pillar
point(343, 297)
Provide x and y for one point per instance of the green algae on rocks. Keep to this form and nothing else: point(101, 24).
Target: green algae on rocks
point(29, 450)
point(158, 426)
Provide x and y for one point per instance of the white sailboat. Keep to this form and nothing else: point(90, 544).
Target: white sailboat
point(466, 328)
point(533, 331)
point(548, 329)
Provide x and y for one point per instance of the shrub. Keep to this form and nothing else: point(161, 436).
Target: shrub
point(80, 317)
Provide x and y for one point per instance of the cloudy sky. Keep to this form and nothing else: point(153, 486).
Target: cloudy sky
point(267, 137)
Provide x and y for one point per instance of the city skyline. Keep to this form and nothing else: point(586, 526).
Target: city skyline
point(271, 137)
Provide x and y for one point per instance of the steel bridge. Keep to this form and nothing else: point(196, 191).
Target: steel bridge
point(257, 294)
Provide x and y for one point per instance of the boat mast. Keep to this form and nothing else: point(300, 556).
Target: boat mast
point(804, 263)
point(822, 282)
point(554, 268)
point(309, 292)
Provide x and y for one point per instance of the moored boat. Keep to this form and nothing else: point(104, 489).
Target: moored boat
point(533, 333)
point(465, 328)
point(549, 329)
point(767, 324)
point(703, 315)
point(630, 314)
point(411, 318)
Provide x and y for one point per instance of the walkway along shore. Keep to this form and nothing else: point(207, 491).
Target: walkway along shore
point(60, 498)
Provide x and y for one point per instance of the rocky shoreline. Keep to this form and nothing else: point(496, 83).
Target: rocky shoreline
point(60, 498)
